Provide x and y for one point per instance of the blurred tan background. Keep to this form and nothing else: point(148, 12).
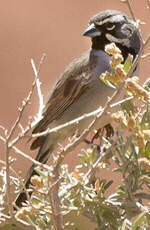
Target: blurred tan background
point(30, 28)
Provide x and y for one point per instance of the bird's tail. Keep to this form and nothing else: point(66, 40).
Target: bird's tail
point(42, 157)
point(22, 197)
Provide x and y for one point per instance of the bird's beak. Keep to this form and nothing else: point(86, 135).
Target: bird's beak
point(91, 31)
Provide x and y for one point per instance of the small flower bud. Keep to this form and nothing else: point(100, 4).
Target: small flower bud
point(112, 49)
point(116, 60)
point(24, 212)
point(119, 118)
point(37, 181)
point(136, 89)
point(120, 72)
point(97, 185)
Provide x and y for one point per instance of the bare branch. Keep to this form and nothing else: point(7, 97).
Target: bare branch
point(18, 151)
point(37, 81)
point(8, 193)
point(147, 41)
point(98, 161)
point(6, 140)
point(145, 55)
point(131, 10)
point(77, 120)
point(55, 201)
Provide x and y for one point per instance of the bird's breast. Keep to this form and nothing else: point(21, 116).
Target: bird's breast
point(99, 63)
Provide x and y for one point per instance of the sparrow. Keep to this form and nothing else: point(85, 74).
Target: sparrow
point(79, 89)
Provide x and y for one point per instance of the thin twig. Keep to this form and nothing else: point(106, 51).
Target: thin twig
point(21, 153)
point(98, 161)
point(25, 103)
point(17, 176)
point(145, 55)
point(8, 193)
point(146, 42)
point(7, 140)
point(40, 96)
point(77, 120)
point(27, 100)
point(130, 9)
point(10, 145)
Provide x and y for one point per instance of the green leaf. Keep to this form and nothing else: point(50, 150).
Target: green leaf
point(30, 221)
point(121, 191)
point(146, 178)
point(128, 63)
point(102, 78)
point(83, 157)
point(124, 225)
point(41, 173)
point(35, 200)
point(147, 149)
point(128, 106)
point(106, 82)
point(138, 220)
point(94, 154)
point(146, 84)
point(145, 123)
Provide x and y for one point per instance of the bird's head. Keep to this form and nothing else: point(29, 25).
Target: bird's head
point(113, 26)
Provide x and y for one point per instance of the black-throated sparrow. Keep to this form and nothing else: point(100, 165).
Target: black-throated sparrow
point(79, 90)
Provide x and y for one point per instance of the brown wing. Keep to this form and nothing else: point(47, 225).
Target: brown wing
point(71, 84)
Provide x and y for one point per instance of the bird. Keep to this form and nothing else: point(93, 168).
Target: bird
point(79, 89)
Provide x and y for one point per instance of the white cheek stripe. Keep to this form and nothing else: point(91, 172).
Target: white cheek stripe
point(123, 41)
point(113, 39)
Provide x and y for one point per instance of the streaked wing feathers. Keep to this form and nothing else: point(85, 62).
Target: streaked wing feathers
point(68, 88)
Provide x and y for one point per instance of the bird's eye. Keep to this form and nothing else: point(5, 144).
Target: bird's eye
point(110, 27)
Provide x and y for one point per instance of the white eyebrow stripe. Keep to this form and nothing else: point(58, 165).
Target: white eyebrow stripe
point(104, 21)
point(118, 18)
point(115, 18)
